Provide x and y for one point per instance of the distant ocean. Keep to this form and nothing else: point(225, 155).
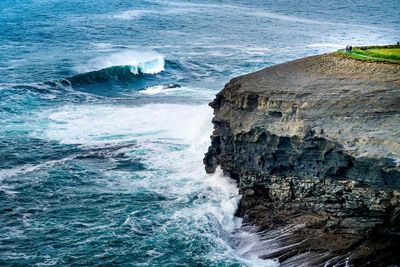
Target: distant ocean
point(104, 121)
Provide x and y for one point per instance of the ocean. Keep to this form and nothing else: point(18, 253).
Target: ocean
point(105, 120)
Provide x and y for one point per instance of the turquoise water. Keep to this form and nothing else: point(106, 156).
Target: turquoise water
point(104, 122)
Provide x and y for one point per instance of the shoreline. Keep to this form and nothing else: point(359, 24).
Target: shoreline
point(314, 146)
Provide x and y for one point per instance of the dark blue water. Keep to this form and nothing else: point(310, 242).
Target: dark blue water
point(101, 150)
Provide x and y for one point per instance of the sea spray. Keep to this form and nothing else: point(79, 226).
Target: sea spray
point(172, 139)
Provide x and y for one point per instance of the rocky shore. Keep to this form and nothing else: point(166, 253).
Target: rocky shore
point(314, 145)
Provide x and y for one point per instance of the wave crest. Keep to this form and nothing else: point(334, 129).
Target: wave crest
point(121, 66)
point(148, 62)
point(121, 73)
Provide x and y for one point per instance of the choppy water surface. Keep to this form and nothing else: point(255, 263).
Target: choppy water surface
point(104, 121)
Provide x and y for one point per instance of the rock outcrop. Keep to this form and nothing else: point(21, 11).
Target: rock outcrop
point(314, 145)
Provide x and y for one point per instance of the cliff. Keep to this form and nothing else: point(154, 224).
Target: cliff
point(314, 145)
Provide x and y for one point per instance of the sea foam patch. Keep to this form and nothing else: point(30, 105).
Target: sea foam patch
point(102, 123)
point(172, 139)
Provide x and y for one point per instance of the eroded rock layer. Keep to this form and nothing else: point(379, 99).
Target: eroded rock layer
point(314, 145)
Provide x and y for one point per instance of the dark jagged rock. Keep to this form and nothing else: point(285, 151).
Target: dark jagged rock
point(314, 145)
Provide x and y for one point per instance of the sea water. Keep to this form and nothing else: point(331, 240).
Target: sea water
point(104, 121)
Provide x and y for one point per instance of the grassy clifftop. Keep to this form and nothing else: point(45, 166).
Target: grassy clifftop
point(388, 53)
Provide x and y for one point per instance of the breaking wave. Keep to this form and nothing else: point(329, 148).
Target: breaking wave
point(120, 73)
point(121, 66)
point(149, 62)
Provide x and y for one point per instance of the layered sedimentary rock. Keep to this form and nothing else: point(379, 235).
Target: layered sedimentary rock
point(314, 145)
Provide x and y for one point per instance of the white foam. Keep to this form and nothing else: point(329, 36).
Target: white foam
point(131, 14)
point(153, 90)
point(104, 124)
point(273, 15)
point(102, 46)
point(146, 61)
point(158, 89)
point(257, 12)
point(27, 168)
point(138, 13)
point(159, 129)
point(260, 51)
point(251, 11)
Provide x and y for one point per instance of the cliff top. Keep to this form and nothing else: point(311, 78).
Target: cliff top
point(387, 53)
point(314, 145)
point(351, 102)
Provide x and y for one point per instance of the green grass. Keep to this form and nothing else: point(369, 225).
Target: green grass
point(388, 53)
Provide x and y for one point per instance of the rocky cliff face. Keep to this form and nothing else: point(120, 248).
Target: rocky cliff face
point(314, 145)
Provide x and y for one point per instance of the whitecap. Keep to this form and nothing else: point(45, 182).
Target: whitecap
point(130, 14)
point(160, 89)
point(102, 46)
point(146, 61)
point(172, 138)
point(138, 13)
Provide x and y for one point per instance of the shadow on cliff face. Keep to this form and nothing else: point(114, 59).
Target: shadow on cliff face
point(264, 153)
point(335, 205)
point(313, 203)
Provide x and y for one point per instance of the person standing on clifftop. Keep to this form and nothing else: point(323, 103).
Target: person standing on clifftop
point(349, 48)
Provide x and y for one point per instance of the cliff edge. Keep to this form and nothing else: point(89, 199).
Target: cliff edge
point(314, 145)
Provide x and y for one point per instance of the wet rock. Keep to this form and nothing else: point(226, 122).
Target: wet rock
point(314, 145)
